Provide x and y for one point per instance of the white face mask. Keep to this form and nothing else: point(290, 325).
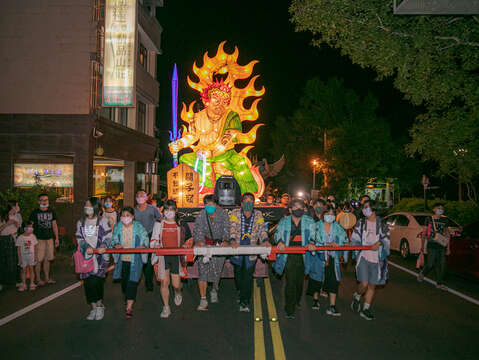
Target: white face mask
point(141, 200)
point(439, 212)
point(170, 214)
point(367, 212)
point(329, 218)
point(88, 210)
point(126, 220)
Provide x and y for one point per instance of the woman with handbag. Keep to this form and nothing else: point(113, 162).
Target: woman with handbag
point(437, 237)
point(93, 232)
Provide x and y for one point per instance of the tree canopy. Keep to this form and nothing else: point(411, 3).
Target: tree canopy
point(434, 61)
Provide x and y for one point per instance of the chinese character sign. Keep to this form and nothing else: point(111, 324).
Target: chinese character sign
point(183, 186)
point(119, 61)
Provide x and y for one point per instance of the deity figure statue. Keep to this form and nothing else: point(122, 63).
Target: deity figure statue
point(213, 132)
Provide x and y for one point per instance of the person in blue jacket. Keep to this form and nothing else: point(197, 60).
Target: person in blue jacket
point(325, 269)
point(129, 233)
point(297, 229)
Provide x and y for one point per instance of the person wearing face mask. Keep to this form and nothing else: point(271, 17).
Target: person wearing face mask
point(297, 229)
point(109, 212)
point(94, 232)
point(8, 233)
point(246, 228)
point(371, 265)
point(212, 228)
point(45, 229)
point(129, 233)
point(325, 270)
point(25, 244)
point(146, 215)
point(167, 233)
point(318, 206)
point(436, 253)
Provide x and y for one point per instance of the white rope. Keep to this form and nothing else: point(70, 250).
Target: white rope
point(208, 251)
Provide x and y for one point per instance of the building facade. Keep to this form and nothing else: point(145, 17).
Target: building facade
point(54, 130)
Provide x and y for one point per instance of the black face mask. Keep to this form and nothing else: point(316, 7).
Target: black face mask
point(298, 212)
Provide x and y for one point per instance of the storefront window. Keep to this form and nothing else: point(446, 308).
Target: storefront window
point(108, 176)
point(57, 176)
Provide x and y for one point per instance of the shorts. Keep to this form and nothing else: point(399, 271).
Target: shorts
point(44, 250)
point(27, 260)
point(367, 271)
point(172, 263)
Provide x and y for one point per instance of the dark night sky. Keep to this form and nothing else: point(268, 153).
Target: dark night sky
point(262, 31)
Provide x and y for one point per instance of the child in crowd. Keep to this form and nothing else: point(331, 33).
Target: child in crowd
point(26, 255)
point(109, 212)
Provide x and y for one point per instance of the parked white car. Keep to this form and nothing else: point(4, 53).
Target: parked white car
point(405, 229)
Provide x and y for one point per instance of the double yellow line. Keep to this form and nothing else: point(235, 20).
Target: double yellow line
point(259, 344)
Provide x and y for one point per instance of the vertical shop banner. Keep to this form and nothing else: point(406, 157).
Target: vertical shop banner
point(120, 54)
point(183, 186)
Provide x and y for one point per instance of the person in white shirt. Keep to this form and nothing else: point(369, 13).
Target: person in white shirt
point(371, 265)
point(25, 244)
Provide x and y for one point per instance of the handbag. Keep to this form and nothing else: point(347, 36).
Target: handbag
point(83, 266)
point(441, 239)
point(210, 240)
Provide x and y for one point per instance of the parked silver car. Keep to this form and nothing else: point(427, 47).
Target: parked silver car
point(406, 228)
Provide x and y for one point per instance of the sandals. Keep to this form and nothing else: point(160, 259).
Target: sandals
point(129, 313)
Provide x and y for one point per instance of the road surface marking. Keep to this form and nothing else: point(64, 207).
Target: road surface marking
point(259, 347)
point(278, 347)
point(454, 292)
point(37, 304)
point(43, 301)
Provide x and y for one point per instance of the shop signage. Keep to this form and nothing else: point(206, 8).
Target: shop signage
point(51, 175)
point(119, 60)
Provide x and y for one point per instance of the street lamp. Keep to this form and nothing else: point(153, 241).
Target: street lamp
point(315, 165)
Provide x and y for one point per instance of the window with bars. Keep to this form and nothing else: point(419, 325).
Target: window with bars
point(123, 116)
point(141, 117)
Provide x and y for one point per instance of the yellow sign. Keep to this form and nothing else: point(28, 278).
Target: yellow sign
point(183, 186)
point(119, 61)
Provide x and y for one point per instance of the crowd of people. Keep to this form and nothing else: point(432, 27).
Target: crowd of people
point(157, 225)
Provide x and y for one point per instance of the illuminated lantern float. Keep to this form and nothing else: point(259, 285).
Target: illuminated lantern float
point(214, 132)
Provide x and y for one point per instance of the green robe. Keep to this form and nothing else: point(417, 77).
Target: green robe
point(230, 160)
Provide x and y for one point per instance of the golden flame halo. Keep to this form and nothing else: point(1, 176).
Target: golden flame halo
point(224, 63)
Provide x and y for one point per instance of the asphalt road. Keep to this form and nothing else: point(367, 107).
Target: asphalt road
point(413, 321)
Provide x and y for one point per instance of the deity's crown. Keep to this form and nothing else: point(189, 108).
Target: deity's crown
point(218, 87)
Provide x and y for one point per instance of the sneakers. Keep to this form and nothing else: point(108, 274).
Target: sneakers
point(324, 294)
point(129, 313)
point(290, 316)
point(22, 287)
point(366, 314)
point(244, 308)
point(332, 311)
point(51, 282)
point(355, 305)
point(92, 314)
point(41, 283)
point(178, 299)
point(315, 304)
point(214, 297)
point(100, 312)
point(32, 286)
point(166, 312)
point(203, 306)
point(420, 277)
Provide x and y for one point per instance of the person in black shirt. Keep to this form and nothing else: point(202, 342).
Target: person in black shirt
point(436, 258)
point(298, 229)
point(46, 230)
